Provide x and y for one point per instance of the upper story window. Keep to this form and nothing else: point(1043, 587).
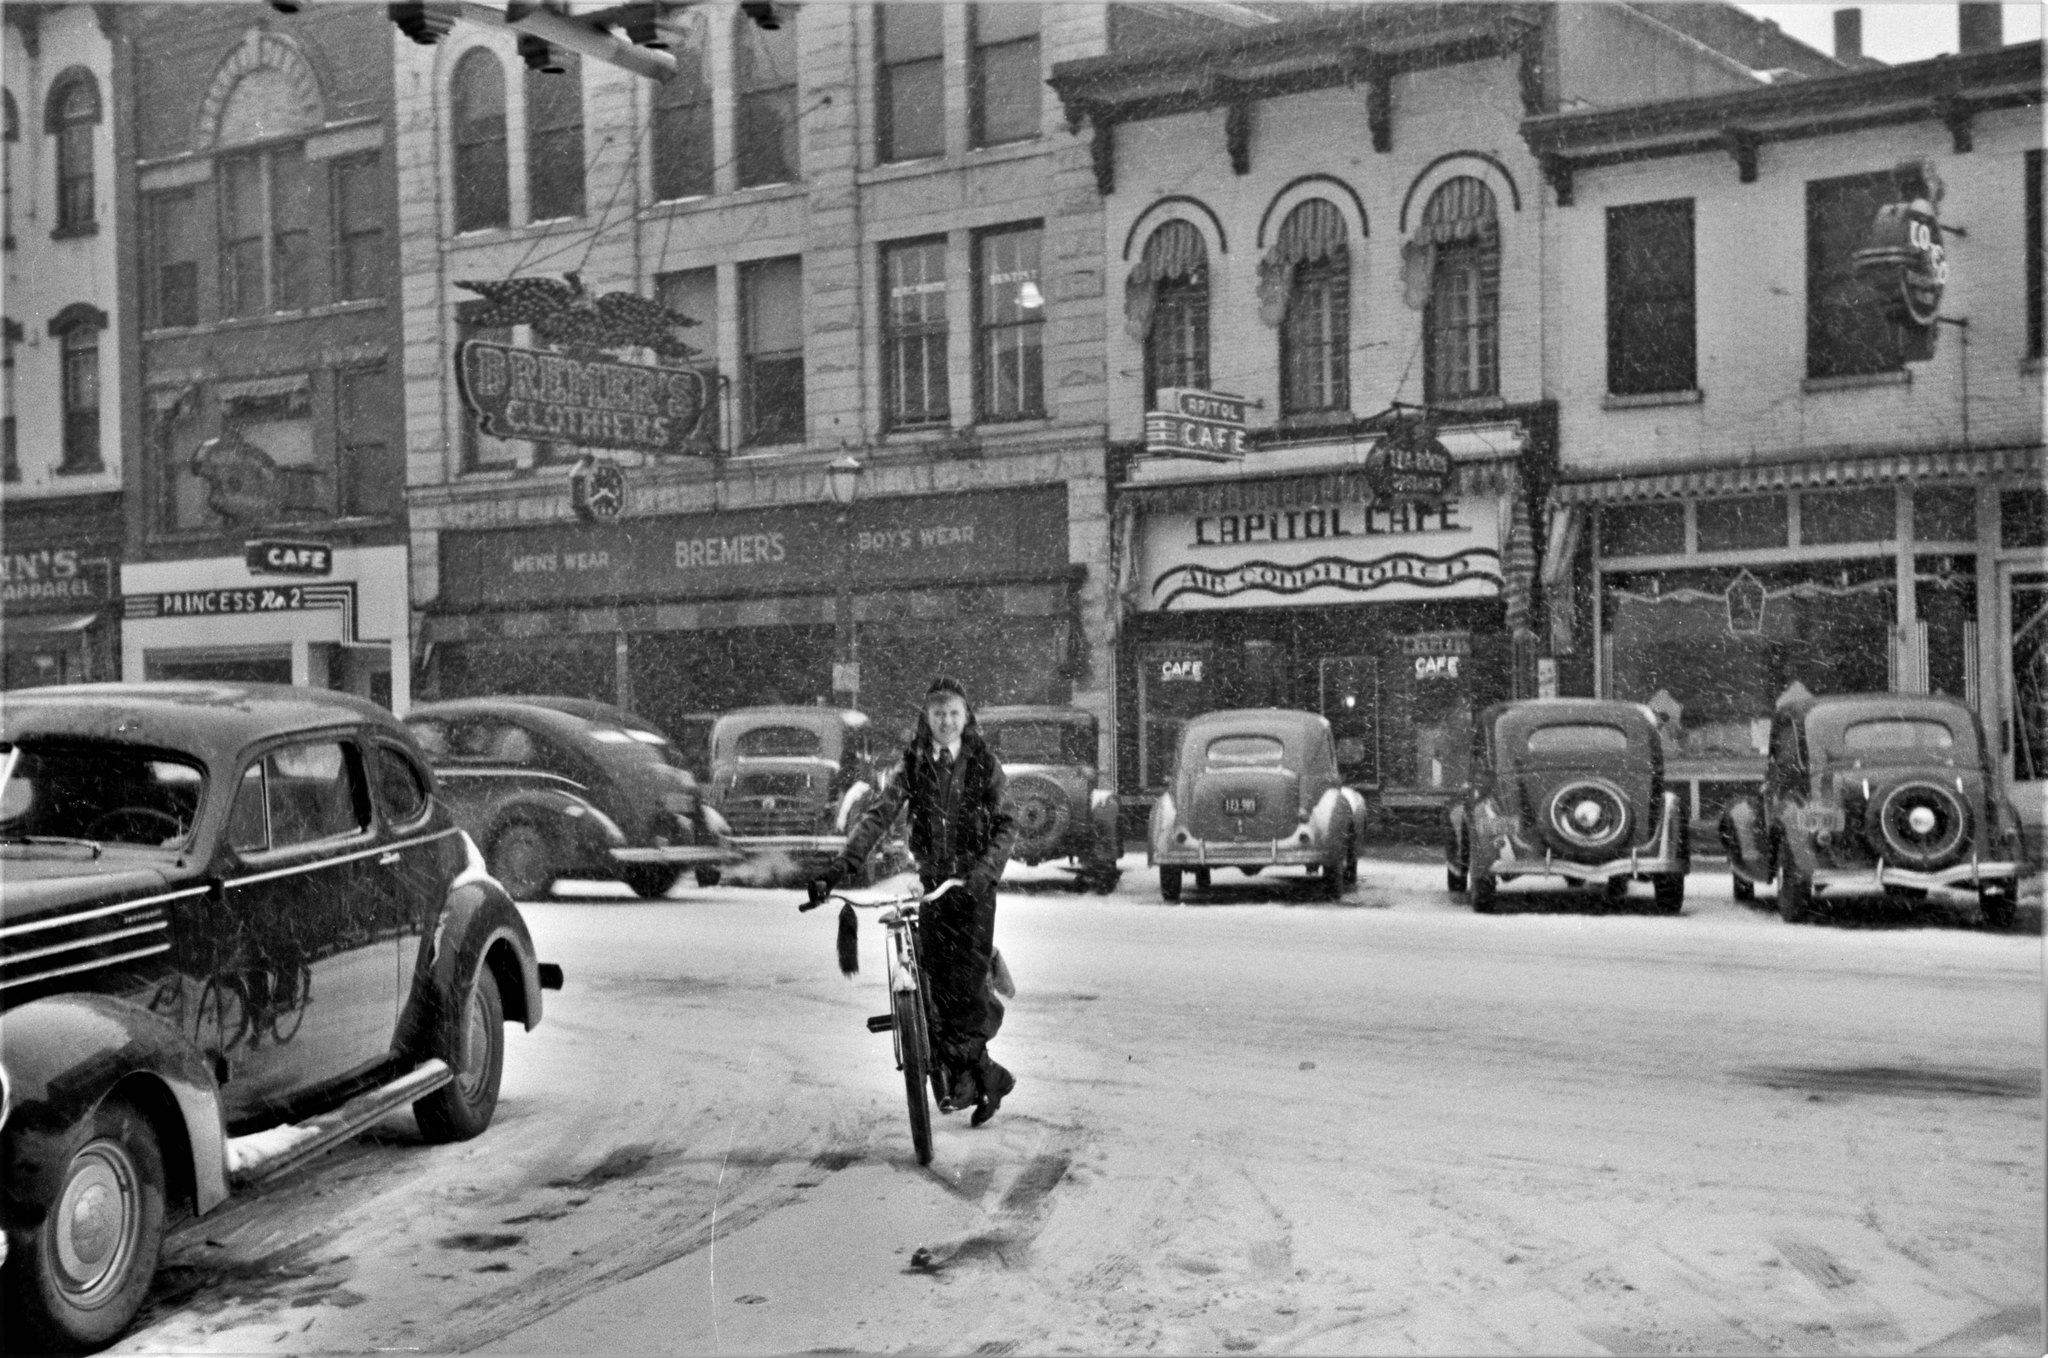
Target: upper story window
point(772, 351)
point(74, 110)
point(78, 332)
point(361, 262)
point(914, 333)
point(764, 70)
point(1847, 330)
point(481, 451)
point(910, 99)
point(554, 140)
point(2037, 255)
point(1310, 267)
point(482, 194)
point(1005, 74)
point(1010, 323)
point(682, 115)
point(1166, 304)
point(373, 479)
point(694, 293)
point(266, 220)
point(173, 246)
point(1651, 333)
point(7, 154)
point(1461, 322)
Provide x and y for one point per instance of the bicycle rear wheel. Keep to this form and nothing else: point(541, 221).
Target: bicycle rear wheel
point(916, 1048)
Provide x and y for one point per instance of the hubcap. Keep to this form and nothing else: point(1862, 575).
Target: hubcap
point(97, 1220)
point(1587, 814)
point(1921, 820)
point(476, 1046)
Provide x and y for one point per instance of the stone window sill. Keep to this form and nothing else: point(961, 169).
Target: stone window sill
point(1646, 400)
point(1898, 377)
point(83, 231)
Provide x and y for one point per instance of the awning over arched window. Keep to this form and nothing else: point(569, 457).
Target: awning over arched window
point(1460, 212)
point(1313, 232)
point(1175, 253)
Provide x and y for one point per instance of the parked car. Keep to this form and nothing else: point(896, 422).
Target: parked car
point(1571, 788)
point(566, 787)
point(793, 781)
point(1256, 788)
point(1876, 792)
point(236, 927)
point(1049, 755)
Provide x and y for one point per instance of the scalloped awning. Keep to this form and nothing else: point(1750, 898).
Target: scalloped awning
point(1947, 465)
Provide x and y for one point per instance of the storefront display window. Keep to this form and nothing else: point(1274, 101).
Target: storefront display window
point(1741, 524)
point(2028, 602)
point(1175, 682)
point(1945, 514)
point(1828, 518)
point(1643, 530)
point(1945, 641)
point(2023, 518)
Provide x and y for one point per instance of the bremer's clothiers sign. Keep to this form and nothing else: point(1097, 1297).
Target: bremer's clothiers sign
point(589, 402)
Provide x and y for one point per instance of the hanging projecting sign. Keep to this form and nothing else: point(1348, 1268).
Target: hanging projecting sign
point(591, 402)
point(272, 557)
point(1903, 257)
point(1343, 551)
point(1408, 463)
point(1205, 425)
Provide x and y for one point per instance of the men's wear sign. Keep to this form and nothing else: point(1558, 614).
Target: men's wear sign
point(1352, 551)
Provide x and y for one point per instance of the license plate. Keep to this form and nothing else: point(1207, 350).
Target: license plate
point(1816, 818)
point(1240, 806)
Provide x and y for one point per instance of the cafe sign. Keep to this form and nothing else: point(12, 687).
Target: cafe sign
point(1205, 425)
point(588, 401)
point(268, 556)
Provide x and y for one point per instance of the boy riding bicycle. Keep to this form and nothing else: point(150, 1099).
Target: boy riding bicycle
point(959, 827)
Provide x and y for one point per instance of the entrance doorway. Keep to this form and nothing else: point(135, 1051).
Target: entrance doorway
point(1348, 694)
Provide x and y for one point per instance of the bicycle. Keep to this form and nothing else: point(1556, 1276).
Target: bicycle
point(908, 1020)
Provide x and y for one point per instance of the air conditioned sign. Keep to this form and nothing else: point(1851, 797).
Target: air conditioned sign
point(1350, 551)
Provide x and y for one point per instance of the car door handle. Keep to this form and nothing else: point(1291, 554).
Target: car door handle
point(388, 859)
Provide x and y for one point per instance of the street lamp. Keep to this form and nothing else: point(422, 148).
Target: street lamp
point(842, 479)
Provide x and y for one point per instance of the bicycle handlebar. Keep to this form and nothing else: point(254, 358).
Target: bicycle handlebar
point(922, 898)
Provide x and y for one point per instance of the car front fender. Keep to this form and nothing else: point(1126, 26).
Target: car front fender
point(1159, 830)
point(478, 921)
point(591, 831)
point(66, 1053)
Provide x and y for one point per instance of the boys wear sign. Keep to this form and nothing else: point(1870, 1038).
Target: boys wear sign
point(1343, 551)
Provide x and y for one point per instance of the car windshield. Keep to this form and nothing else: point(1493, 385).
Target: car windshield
point(100, 791)
point(1040, 742)
point(1897, 734)
point(1576, 737)
point(779, 742)
point(1245, 752)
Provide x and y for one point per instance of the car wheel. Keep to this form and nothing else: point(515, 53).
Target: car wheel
point(708, 876)
point(1350, 863)
point(1454, 864)
point(652, 882)
point(1670, 888)
point(472, 1042)
point(1479, 877)
point(1169, 884)
point(1998, 903)
point(1745, 890)
point(77, 1279)
point(1201, 879)
point(522, 857)
point(1795, 895)
point(1102, 878)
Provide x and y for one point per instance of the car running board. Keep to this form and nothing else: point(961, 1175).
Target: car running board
point(260, 1155)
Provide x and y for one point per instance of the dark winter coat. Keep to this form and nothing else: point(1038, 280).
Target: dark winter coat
point(973, 842)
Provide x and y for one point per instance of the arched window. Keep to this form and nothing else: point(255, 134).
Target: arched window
point(77, 330)
point(554, 140)
point(764, 69)
point(74, 111)
point(1461, 322)
point(1307, 277)
point(1166, 305)
point(482, 198)
point(682, 115)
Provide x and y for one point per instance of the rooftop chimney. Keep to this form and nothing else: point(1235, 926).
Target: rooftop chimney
point(1848, 36)
point(1979, 27)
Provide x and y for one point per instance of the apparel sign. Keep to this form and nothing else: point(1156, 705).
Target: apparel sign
point(51, 578)
point(1205, 425)
point(1351, 551)
point(591, 402)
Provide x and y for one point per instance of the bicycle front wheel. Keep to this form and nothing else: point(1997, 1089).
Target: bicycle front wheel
point(916, 1048)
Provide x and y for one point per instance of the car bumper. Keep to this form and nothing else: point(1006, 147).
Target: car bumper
point(823, 845)
point(679, 854)
point(1963, 876)
point(1635, 865)
point(1200, 854)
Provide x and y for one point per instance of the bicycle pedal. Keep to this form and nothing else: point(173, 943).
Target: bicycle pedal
point(882, 1023)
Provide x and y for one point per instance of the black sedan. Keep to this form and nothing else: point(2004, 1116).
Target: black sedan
point(236, 927)
point(556, 787)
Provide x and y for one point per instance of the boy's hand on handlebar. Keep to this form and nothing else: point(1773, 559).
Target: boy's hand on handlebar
point(820, 890)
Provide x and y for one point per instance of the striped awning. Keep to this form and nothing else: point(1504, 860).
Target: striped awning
point(1176, 250)
point(1313, 231)
point(1945, 465)
point(1235, 495)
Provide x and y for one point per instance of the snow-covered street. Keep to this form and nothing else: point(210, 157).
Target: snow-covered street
point(1248, 1123)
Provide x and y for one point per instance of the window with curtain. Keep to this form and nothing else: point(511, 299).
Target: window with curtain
point(1309, 271)
point(1010, 323)
point(1005, 73)
point(360, 260)
point(372, 479)
point(74, 112)
point(914, 333)
point(772, 357)
point(1651, 344)
point(682, 115)
point(1461, 321)
point(1166, 306)
point(80, 375)
point(482, 186)
point(910, 99)
point(764, 69)
point(1847, 330)
point(172, 251)
point(265, 232)
point(554, 140)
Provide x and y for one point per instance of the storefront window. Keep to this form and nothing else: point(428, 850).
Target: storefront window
point(2023, 518)
point(1945, 640)
point(1642, 530)
point(1175, 682)
point(1832, 517)
point(1948, 514)
point(1725, 644)
point(1737, 525)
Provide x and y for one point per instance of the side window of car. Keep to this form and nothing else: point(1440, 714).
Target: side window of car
point(314, 791)
point(401, 787)
point(249, 822)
